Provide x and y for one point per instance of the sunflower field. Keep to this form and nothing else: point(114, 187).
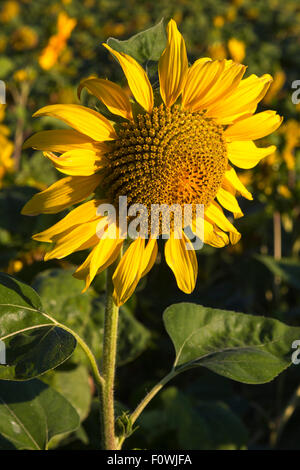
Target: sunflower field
point(124, 339)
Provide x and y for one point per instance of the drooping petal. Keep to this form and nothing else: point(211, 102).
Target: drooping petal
point(106, 249)
point(60, 141)
point(254, 127)
point(172, 66)
point(62, 194)
point(216, 215)
point(111, 94)
point(245, 154)
point(229, 202)
point(77, 162)
point(234, 238)
point(137, 78)
point(182, 261)
point(149, 256)
point(70, 241)
point(85, 120)
point(128, 271)
point(214, 236)
point(232, 178)
point(84, 213)
point(103, 255)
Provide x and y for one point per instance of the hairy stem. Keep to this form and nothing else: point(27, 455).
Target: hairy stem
point(109, 364)
point(154, 391)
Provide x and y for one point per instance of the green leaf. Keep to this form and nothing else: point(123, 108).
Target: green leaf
point(16, 292)
point(144, 46)
point(73, 383)
point(84, 314)
point(31, 414)
point(246, 348)
point(34, 344)
point(286, 268)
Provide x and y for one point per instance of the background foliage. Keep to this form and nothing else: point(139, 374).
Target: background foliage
point(261, 274)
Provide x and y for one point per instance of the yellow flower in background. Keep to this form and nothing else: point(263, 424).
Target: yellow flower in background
point(277, 85)
point(178, 148)
point(291, 131)
point(57, 43)
point(6, 147)
point(284, 191)
point(20, 75)
point(9, 11)
point(24, 38)
point(231, 13)
point(24, 75)
point(218, 21)
point(114, 29)
point(237, 49)
point(217, 51)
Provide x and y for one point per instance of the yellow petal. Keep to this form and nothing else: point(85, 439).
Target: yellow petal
point(227, 82)
point(172, 66)
point(84, 213)
point(149, 256)
point(85, 120)
point(102, 256)
point(77, 162)
point(137, 79)
point(242, 101)
point(214, 236)
point(111, 94)
point(254, 127)
point(71, 241)
point(183, 262)
point(219, 80)
point(60, 141)
point(215, 213)
point(201, 76)
point(234, 238)
point(105, 253)
point(128, 272)
point(232, 178)
point(229, 202)
point(245, 154)
point(62, 194)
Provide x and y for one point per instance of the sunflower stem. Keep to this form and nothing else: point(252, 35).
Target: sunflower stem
point(109, 363)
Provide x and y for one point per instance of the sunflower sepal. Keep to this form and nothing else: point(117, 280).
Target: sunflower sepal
point(144, 46)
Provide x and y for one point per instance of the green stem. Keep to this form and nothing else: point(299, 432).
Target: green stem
point(154, 391)
point(109, 363)
point(94, 366)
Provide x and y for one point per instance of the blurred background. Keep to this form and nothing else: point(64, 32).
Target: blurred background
point(46, 48)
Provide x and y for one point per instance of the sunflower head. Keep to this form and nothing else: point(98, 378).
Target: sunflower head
point(176, 145)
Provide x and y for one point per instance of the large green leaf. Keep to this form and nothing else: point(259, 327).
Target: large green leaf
point(31, 414)
point(246, 348)
point(73, 383)
point(16, 292)
point(84, 313)
point(144, 46)
point(286, 268)
point(34, 344)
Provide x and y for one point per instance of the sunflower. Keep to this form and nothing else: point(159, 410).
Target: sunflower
point(6, 147)
point(177, 146)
